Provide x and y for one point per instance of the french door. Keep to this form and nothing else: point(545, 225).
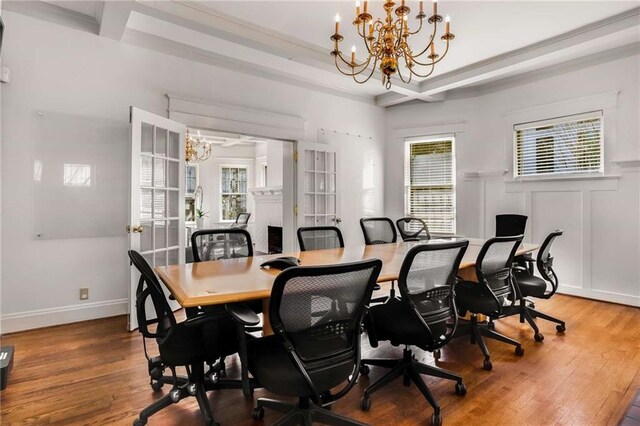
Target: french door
point(318, 191)
point(156, 221)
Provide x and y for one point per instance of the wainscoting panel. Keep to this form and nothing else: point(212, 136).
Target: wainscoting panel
point(561, 210)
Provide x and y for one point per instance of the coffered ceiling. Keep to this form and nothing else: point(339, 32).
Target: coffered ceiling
point(289, 40)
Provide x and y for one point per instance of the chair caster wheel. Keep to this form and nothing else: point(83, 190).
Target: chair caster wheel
point(436, 355)
point(175, 395)
point(364, 369)
point(561, 328)
point(365, 403)
point(491, 325)
point(436, 420)
point(461, 389)
point(519, 350)
point(487, 365)
point(538, 337)
point(156, 386)
point(257, 413)
point(139, 422)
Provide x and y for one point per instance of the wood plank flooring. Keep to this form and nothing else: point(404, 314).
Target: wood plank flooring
point(94, 372)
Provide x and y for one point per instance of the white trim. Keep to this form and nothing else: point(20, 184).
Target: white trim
point(601, 295)
point(28, 320)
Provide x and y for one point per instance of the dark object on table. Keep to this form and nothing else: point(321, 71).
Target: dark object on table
point(281, 263)
point(6, 364)
point(310, 355)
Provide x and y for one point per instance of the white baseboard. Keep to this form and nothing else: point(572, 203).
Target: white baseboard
point(624, 299)
point(28, 320)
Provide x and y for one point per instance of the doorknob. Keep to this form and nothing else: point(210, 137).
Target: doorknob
point(136, 229)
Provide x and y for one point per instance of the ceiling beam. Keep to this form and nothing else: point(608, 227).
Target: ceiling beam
point(113, 19)
point(621, 29)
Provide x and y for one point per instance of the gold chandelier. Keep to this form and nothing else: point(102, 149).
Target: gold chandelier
point(387, 42)
point(196, 149)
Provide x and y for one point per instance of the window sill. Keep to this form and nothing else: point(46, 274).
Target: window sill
point(561, 178)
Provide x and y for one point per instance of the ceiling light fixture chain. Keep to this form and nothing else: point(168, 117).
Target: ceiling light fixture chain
point(387, 43)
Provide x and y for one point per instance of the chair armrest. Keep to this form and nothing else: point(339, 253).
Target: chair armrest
point(243, 314)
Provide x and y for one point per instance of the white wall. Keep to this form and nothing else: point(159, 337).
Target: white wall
point(56, 68)
point(598, 255)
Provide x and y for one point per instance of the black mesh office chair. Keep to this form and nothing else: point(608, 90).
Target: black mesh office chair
point(426, 282)
point(488, 295)
point(378, 230)
point(199, 339)
point(319, 238)
point(510, 225)
point(215, 244)
point(310, 355)
point(529, 285)
point(241, 221)
point(410, 229)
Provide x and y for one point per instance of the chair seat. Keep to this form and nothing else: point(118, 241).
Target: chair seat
point(471, 296)
point(270, 364)
point(530, 285)
point(393, 321)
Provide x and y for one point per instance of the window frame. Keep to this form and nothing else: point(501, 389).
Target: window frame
point(407, 177)
point(553, 122)
point(221, 194)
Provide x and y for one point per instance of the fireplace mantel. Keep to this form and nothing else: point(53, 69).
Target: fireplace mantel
point(268, 212)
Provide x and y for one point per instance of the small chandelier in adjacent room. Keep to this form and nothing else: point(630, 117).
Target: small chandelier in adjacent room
point(196, 149)
point(387, 42)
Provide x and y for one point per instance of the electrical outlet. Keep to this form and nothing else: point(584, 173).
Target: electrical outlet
point(84, 294)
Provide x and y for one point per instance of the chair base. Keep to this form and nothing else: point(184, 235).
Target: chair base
point(304, 413)
point(410, 370)
point(476, 332)
point(525, 309)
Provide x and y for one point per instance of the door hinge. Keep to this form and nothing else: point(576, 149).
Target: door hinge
point(295, 209)
point(295, 155)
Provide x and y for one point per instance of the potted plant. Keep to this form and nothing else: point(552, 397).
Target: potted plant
point(200, 215)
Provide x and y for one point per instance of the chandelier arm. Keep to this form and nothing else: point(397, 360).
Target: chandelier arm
point(366, 43)
point(419, 28)
point(431, 40)
point(425, 75)
point(373, 69)
point(446, 50)
point(364, 64)
point(400, 73)
point(350, 74)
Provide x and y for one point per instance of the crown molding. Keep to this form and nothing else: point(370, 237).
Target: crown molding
point(54, 14)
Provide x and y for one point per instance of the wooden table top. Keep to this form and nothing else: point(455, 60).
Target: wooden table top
point(237, 280)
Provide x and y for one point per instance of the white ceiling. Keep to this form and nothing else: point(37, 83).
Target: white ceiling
point(289, 40)
point(483, 29)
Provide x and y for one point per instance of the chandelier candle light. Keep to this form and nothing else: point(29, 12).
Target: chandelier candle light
point(196, 149)
point(387, 42)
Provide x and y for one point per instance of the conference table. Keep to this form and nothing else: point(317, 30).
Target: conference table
point(240, 280)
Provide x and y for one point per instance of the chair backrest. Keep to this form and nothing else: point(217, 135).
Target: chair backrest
point(242, 218)
point(378, 230)
point(214, 244)
point(318, 312)
point(319, 238)
point(510, 225)
point(426, 280)
point(411, 227)
point(149, 286)
point(494, 265)
point(544, 260)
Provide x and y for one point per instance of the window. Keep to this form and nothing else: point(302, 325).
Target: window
point(571, 144)
point(429, 175)
point(233, 192)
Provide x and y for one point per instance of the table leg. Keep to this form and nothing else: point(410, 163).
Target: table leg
point(266, 324)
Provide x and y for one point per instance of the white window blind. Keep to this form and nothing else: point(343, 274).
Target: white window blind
point(571, 144)
point(429, 175)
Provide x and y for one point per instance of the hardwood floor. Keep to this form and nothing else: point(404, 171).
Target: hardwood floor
point(94, 372)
